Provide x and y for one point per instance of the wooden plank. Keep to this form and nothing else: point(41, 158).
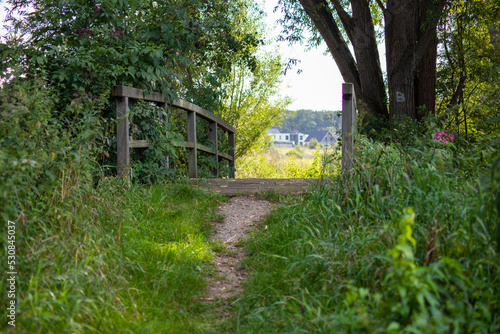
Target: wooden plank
point(203, 113)
point(139, 144)
point(231, 141)
point(138, 94)
point(225, 156)
point(122, 137)
point(192, 154)
point(348, 125)
point(231, 187)
point(203, 148)
point(214, 140)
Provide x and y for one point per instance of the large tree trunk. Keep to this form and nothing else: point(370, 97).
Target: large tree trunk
point(425, 77)
point(365, 73)
point(411, 45)
point(401, 32)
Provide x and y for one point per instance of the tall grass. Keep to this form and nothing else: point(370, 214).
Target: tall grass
point(94, 255)
point(406, 244)
point(275, 163)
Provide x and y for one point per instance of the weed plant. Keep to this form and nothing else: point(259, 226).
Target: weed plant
point(405, 243)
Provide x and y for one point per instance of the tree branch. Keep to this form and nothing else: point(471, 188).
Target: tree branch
point(345, 18)
point(460, 88)
point(322, 18)
point(381, 5)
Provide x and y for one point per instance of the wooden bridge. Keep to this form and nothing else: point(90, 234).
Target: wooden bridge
point(231, 186)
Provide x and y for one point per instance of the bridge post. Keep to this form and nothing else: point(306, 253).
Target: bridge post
point(122, 137)
point(193, 154)
point(213, 138)
point(231, 141)
point(348, 126)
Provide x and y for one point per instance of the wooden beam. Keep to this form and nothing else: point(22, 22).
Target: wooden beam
point(139, 144)
point(203, 113)
point(122, 137)
point(213, 139)
point(231, 141)
point(192, 152)
point(138, 94)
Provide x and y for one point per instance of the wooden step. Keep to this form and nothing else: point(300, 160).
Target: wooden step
point(231, 187)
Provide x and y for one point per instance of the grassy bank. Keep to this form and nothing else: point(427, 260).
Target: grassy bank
point(117, 261)
point(407, 244)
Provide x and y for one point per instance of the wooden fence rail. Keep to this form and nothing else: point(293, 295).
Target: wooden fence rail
point(124, 94)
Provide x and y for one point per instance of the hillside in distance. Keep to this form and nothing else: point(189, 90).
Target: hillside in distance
point(306, 121)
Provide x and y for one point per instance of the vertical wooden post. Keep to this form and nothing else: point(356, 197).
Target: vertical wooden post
point(122, 137)
point(213, 138)
point(348, 125)
point(230, 136)
point(164, 106)
point(191, 132)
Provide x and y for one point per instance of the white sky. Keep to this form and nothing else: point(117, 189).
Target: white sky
point(318, 87)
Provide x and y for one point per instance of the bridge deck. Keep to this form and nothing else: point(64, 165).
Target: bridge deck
point(232, 187)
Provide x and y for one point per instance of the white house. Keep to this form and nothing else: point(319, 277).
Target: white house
point(324, 137)
point(292, 138)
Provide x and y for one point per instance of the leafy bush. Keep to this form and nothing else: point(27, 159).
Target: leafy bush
point(313, 143)
point(91, 255)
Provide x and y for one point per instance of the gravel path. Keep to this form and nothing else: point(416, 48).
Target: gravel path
point(241, 214)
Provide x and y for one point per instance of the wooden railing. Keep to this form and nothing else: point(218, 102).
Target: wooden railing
point(124, 94)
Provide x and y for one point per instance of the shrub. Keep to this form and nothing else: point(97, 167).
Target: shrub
point(313, 143)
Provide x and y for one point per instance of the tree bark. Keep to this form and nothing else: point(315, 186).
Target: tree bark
point(411, 51)
point(401, 31)
point(364, 72)
point(411, 44)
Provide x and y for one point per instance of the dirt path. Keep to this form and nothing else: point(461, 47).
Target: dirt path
point(241, 214)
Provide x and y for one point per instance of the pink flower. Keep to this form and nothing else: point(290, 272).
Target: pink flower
point(444, 137)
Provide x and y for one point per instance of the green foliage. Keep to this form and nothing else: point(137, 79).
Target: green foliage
point(297, 152)
point(469, 67)
point(313, 143)
point(144, 44)
point(295, 163)
point(41, 146)
point(353, 256)
point(252, 103)
point(151, 123)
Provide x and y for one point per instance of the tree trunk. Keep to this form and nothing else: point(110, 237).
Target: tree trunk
point(365, 73)
point(411, 44)
point(401, 31)
point(411, 47)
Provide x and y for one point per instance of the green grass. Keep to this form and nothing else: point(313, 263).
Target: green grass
point(118, 261)
point(352, 257)
point(285, 162)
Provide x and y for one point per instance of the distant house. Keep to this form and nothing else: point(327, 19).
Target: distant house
point(292, 138)
point(324, 137)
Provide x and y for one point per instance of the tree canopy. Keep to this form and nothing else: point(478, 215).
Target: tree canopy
point(170, 46)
